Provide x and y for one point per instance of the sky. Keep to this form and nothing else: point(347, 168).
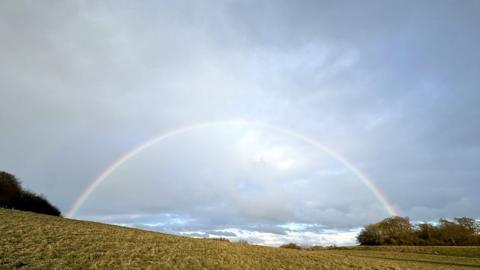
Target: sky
point(392, 87)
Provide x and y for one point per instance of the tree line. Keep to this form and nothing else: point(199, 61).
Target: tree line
point(399, 231)
point(12, 195)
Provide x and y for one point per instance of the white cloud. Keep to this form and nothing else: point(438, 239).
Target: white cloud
point(304, 238)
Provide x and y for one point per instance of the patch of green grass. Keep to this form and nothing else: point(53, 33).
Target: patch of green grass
point(33, 241)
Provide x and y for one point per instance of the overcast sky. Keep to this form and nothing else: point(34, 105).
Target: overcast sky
point(392, 86)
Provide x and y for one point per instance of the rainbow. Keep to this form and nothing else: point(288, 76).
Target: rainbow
point(381, 197)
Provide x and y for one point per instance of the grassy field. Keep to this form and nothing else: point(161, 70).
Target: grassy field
point(32, 241)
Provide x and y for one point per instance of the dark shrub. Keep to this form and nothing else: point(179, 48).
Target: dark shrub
point(291, 246)
point(13, 196)
point(10, 189)
point(32, 202)
point(221, 239)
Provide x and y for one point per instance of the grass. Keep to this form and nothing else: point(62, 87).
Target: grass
point(472, 252)
point(33, 241)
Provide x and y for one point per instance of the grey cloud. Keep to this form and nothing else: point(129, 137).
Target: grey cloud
point(390, 85)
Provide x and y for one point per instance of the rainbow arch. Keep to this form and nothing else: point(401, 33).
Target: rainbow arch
point(370, 184)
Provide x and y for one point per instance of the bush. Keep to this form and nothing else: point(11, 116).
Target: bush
point(291, 246)
point(10, 189)
point(13, 196)
point(221, 239)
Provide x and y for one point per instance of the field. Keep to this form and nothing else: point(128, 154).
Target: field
point(33, 241)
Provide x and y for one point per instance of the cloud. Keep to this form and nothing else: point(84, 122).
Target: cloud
point(390, 86)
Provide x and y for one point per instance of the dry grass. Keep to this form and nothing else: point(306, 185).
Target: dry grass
point(33, 241)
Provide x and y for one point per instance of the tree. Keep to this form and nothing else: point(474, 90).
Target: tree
point(399, 231)
point(427, 234)
point(13, 196)
point(370, 235)
point(390, 231)
point(461, 231)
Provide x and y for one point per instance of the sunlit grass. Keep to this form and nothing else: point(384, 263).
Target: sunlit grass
point(33, 241)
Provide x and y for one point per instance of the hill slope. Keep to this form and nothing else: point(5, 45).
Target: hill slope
point(34, 241)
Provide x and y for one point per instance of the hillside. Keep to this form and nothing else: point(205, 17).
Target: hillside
point(34, 241)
